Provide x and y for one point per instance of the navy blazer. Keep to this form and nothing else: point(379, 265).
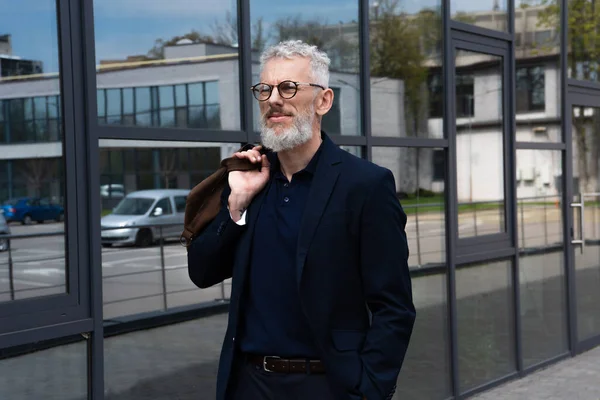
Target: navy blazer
point(351, 269)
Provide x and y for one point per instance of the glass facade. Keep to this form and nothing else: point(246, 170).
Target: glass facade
point(32, 181)
point(486, 114)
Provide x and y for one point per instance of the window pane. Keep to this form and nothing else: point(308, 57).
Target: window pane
point(169, 45)
point(541, 250)
point(583, 40)
point(406, 68)
point(59, 373)
point(142, 100)
point(135, 366)
point(196, 93)
point(489, 14)
point(537, 52)
point(180, 96)
point(113, 105)
point(484, 295)
point(131, 286)
point(165, 97)
point(30, 77)
point(480, 148)
point(128, 101)
point(100, 99)
point(334, 30)
point(426, 370)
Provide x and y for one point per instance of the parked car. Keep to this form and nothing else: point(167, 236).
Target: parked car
point(4, 230)
point(145, 207)
point(29, 209)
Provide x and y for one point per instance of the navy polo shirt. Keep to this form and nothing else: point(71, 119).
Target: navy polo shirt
point(272, 318)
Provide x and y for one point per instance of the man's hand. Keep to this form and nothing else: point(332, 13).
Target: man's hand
point(246, 184)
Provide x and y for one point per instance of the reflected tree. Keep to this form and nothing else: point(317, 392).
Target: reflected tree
point(36, 172)
point(339, 41)
point(401, 46)
point(583, 62)
point(168, 166)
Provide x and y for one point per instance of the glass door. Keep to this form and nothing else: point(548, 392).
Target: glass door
point(585, 234)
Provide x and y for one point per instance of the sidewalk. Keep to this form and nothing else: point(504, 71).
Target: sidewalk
point(572, 379)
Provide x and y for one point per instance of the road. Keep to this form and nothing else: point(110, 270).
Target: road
point(133, 277)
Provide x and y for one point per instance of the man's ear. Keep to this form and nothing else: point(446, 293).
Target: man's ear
point(324, 102)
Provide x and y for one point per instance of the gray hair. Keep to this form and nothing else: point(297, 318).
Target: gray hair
point(319, 61)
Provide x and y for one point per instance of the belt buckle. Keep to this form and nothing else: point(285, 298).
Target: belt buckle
point(265, 363)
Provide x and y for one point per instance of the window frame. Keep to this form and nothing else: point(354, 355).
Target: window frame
point(31, 319)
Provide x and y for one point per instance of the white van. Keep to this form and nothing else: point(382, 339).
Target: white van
point(145, 207)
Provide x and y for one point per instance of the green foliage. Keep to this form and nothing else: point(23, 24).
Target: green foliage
point(400, 45)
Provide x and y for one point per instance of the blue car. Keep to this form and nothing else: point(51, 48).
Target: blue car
point(29, 209)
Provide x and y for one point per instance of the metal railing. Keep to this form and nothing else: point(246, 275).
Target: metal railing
point(164, 268)
point(543, 230)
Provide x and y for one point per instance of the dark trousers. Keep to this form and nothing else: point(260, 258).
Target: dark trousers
point(252, 382)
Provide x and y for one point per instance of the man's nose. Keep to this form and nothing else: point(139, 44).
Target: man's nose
point(275, 99)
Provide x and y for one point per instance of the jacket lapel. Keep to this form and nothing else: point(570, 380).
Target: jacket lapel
point(324, 180)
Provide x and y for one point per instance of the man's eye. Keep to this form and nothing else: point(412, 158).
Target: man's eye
point(288, 87)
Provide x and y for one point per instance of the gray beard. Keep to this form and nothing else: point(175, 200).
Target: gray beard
point(298, 134)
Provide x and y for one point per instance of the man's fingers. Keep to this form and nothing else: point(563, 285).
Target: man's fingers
point(252, 155)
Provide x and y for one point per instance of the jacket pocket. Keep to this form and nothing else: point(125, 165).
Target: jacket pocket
point(346, 340)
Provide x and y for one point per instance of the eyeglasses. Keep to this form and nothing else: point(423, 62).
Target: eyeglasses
point(286, 89)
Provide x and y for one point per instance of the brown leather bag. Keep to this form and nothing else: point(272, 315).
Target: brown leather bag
point(204, 200)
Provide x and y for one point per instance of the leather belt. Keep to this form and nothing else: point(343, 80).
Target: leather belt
point(287, 366)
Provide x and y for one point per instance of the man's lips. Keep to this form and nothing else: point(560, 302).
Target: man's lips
point(278, 117)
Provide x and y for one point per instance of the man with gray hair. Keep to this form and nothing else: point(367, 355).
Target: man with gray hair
point(321, 303)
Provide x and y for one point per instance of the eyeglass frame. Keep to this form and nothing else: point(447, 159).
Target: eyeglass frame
point(279, 91)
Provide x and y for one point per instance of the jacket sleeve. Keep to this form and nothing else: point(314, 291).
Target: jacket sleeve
point(211, 254)
point(387, 289)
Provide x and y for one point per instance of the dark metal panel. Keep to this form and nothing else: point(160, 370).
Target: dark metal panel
point(348, 140)
point(539, 146)
point(45, 333)
point(546, 363)
point(473, 31)
point(78, 168)
point(479, 45)
point(451, 214)
point(510, 179)
point(490, 254)
point(489, 385)
point(170, 134)
point(579, 95)
point(495, 239)
point(39, 318)
point(69, 153)
point(588, 344)
point(365, 74)
point(409, 142)
point(40, 304)
point(563, 73)
point(576, 84)
point(156, 319)
point(567, 184)
point(245, 65)
point(83, 11)
point(511, 18)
